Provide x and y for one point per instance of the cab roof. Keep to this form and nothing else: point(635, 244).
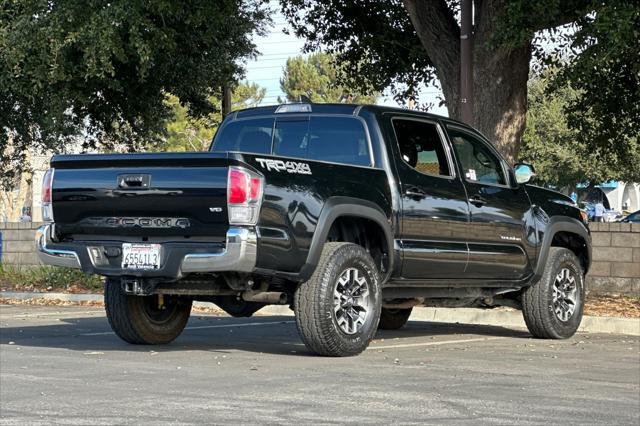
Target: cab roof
point(349, 109)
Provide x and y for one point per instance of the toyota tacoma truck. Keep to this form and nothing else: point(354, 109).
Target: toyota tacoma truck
point(350, 214)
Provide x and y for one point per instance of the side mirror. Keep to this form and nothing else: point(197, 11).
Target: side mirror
point(524, 172)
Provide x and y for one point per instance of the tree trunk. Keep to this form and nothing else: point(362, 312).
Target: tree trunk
point(499, 74)
point(440, 36)
point(500, 96)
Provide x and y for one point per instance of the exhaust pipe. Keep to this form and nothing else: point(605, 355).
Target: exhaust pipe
point(270, 297)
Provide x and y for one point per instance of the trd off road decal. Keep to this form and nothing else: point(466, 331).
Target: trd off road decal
point(288, 166)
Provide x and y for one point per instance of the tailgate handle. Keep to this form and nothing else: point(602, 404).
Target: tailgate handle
point(139, 181)
point(133, 192)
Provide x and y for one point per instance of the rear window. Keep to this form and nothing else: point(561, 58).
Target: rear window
point(334, 139)
point(245, 136)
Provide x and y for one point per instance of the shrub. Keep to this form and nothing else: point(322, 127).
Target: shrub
point(48, 278)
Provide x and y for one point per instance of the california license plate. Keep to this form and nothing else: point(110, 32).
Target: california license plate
point(140, 256)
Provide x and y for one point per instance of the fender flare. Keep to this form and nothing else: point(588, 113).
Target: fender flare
point(334, 208)
point(560, 224)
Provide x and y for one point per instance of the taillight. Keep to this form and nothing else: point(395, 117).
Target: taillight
point(237, 192)
point(47, 197)
point(244, 196)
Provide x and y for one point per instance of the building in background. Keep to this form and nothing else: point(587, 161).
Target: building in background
point(623, 197)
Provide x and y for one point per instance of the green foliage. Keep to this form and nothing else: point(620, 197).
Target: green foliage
point(562, 155)
point(375, 38)
point(520, 23)
point(98, 71)
point(187, 133)
point(316, 77)
point(606, 74)
point(40, 278)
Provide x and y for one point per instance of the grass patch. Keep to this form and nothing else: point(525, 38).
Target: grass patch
point(48, 278)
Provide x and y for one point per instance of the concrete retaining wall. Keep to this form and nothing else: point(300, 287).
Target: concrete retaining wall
point(616, 259)
point(18, 243)
point(615, 268)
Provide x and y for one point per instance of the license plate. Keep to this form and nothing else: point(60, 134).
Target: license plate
point(140, 256)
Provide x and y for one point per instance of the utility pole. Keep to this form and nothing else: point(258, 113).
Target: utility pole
point(466, 61)
point(226, 99)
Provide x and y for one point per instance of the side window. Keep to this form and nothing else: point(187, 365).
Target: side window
point(245, 136)
point(421, 147)
point(335, 139)
point(479, 163)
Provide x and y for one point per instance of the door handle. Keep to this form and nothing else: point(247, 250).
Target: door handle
point(477, 201)
point(414, 191)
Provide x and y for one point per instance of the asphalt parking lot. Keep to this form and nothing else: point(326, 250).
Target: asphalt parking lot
point(63, 365)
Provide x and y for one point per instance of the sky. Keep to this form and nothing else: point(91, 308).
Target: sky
point(275, 47)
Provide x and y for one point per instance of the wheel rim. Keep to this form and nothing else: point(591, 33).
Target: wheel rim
point(159, 314)
point(565, 294)
point(351, 301)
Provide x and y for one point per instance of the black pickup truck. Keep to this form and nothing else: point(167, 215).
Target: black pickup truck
point(350, 214)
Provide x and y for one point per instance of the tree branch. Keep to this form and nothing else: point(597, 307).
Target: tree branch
point(567, 11)
point(436, 27)
point(439, 34)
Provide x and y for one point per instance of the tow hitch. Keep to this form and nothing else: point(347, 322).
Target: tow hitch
point(138, 287)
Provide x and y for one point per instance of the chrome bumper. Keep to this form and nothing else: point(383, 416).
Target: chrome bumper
point(239, 254)
point(50, 256)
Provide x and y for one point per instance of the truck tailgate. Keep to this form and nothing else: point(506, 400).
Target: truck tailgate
point(169, 194)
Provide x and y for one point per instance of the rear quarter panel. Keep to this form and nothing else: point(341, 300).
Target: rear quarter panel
point(293, 202)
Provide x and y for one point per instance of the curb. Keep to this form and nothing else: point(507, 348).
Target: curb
point(65, 297)
point(495, 317)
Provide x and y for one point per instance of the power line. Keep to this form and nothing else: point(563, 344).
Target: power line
point(283, 41)
point(280, 54)
point(260, 60)
point(268, 68)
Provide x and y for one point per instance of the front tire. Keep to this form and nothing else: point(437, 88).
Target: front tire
point(394, 319)
point(140, 319)
point(552, 307)
point(338, 308)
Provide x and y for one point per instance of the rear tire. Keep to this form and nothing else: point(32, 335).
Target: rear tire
point(552, 307)
point(338, 308)
point(394, 319)
point(140, 320)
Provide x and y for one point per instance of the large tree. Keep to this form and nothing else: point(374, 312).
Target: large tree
point(408, 42)
point(99, 71)
point(317, 77)
point(563, 156)
point(602, 63)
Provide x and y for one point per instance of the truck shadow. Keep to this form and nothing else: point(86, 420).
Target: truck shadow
point(262, 334)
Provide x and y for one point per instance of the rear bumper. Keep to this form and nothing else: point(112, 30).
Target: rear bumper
point(237, 254)
point(54, 256)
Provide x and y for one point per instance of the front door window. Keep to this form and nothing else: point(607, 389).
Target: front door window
point(479, 164)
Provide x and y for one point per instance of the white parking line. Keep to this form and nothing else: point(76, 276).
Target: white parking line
point(247, 324)
point(443, 342)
